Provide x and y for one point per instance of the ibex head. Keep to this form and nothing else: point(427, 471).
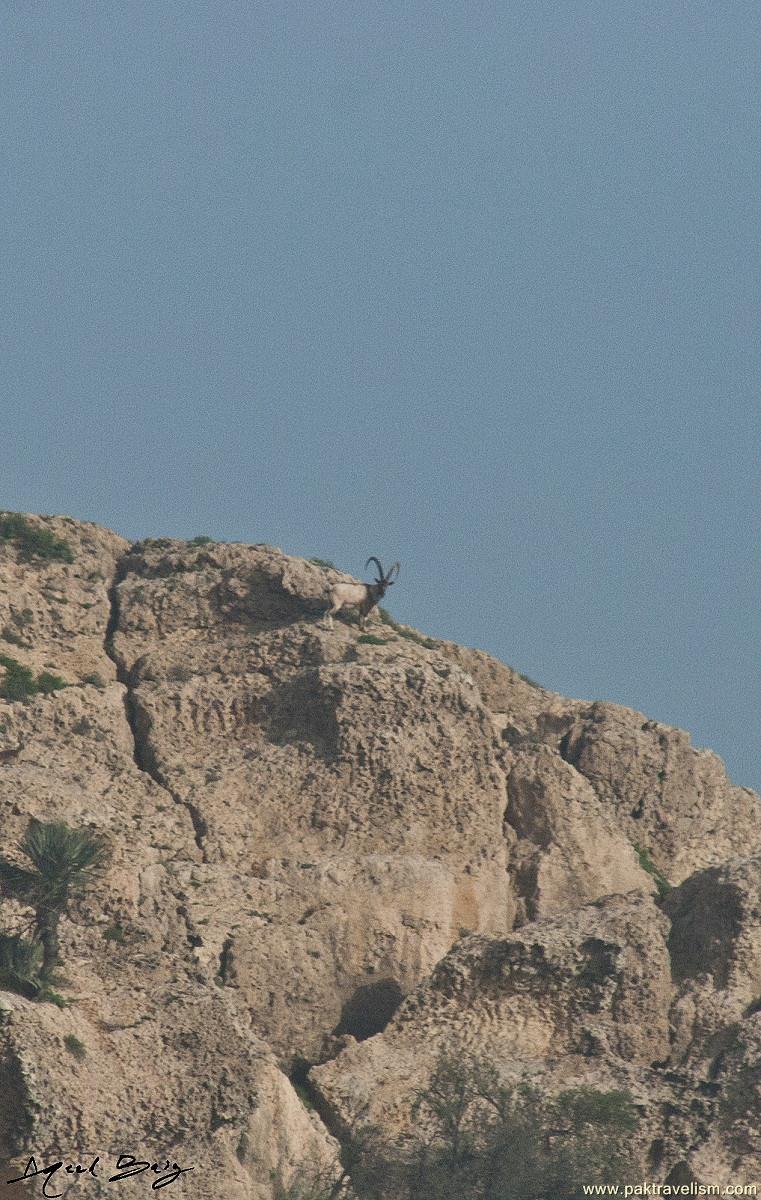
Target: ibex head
point(384, 579)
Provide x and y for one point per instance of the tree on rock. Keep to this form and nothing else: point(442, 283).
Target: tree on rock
point(63, 861)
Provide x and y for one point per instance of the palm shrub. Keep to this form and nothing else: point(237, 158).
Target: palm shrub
point(62, 863)
point(20, 965)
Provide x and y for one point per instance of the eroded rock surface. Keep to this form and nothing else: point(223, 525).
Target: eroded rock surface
point(592, 985)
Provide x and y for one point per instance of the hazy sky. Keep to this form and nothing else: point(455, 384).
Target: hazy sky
point(472, 285)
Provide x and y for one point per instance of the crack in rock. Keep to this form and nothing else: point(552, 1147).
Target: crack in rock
point(142, 751)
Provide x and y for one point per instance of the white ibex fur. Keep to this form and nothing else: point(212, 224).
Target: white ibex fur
point(362, 596)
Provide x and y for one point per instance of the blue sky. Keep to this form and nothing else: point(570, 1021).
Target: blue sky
point(474, 286)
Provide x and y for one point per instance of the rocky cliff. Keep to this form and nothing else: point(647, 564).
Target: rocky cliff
point(333, 858)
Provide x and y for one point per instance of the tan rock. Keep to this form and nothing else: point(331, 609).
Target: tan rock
point(320, 846)
point(568, 848)
point(715, 946)
point(591, 985)
point(673, 800)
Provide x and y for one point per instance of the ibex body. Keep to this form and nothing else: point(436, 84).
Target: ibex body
point(361, 596)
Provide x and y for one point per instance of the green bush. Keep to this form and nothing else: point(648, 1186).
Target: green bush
point(47, 683)
point(114, 933)
point(325, 563)
point(426, 642)
point(369, 639)
point(202, 539)
point(93, 679)
point(531, 682)
point(20, 683)
point(179, 673)
point(475, 1137)
point(645, 861)
point(409, 634)
point(8, 635)
point(34, 541)
point(47, 995)
point(75, 1046)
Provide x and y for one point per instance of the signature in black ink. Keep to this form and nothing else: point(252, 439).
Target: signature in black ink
point(126, 1166)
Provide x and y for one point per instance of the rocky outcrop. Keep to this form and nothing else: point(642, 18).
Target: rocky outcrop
point(568, 847)
point(150, 1056)
point(666, 795)
point(349, 851)
point(565, 994)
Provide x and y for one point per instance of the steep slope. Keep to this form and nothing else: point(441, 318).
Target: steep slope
point(306, 827)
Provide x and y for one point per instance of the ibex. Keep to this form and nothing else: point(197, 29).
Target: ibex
point(362, 596)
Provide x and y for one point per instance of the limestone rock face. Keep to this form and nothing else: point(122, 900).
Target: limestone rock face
point(54, 615)
point(152, 1057)
point(590, 986)
point(568, 847)
point(331, 857)
point(668, 796)
point(715, 950)
point(732, 1149)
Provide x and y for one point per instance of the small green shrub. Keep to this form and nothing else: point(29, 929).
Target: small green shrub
point(13, 638)
point(51, 997)
point(426, 642)
point(202, 539)
point(34, 541)
point(179, 673)
point(93, 679)
point(645, 861)
point(325, 563)
point(531, 682)
point(369, 639)
point(75, 1046)
point(114, 933)
point(409, 634)
point(20, 683)
point(586, 1105)
point(47, 683)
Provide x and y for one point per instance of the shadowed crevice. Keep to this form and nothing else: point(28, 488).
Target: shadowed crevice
point(369, 1010)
